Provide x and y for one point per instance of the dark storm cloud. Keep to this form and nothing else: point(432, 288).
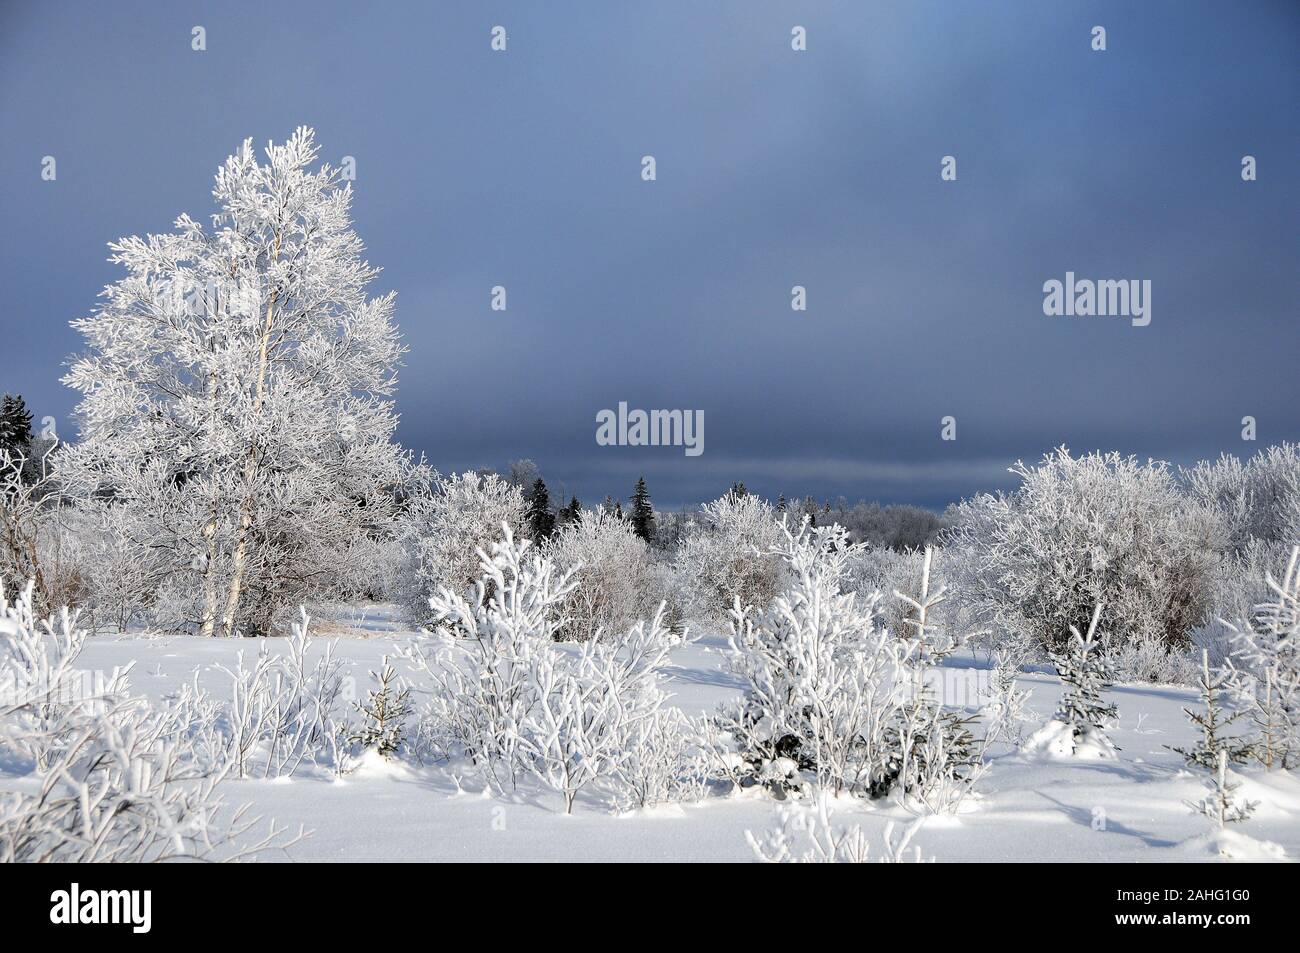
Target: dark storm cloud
point(775, 168)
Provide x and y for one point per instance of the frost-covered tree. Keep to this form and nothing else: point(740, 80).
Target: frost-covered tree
point(1100, 529)
point(35, 545)
point(1259, 503)
point(523, 474)
point(611, 565)
point(933, 758)
point(235, 393)
point(728, 554)
point(446, 525)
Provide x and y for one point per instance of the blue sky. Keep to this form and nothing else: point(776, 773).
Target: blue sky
point(775, 168)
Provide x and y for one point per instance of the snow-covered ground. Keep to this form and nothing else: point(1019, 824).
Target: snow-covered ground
point(1130, 809)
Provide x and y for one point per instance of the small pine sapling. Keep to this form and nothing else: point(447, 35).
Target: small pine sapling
point(1221, 804)
point(1078, 728)
point(385, 713)
point(1211, 723)
point(1006, 707)
point(934, 757)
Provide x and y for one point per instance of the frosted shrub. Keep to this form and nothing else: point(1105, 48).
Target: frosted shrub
point(822, 679)
point(1259, 500)
point(665, 584)
point(282, 711)
point(443, 530)
point(33, 544)
point(1006, 709)
point(1100, 529)
point(611, 566)
point(1266, 654)
point(667, 759)
point(806, 835)
point(598, 710)
point(116, 780)
point(886, 571)
point(728, 554)
point(481, 656)
point(519, 705)
point(1221, 805)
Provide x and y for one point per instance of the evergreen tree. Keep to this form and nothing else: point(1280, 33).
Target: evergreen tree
point(1211, 723)
point(541, 521)
point(15, 425)
point(1085, 672)
point(1222, 805)
point(570, 513)
point(643, 515)
point(618, 510)
point(385, 713)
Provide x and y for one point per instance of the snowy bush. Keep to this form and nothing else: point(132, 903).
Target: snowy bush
point(1221, 805)
point(885, 571)
point(806, 835)
point(1259, 503)
point(1259, 500)
point(35, 544)
point(1266, 655)
point(667, 760)
point(115, 779)
point(727, 554)
point(598, 712)
point(611, 566)
point(283, 711)
point(519, 705)
point(1006, 708)
point(664, 584)
point(1100, 529)
point(822, 679)
point(445, 527)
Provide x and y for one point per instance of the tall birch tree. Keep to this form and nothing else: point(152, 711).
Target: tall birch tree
point(236, 414)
